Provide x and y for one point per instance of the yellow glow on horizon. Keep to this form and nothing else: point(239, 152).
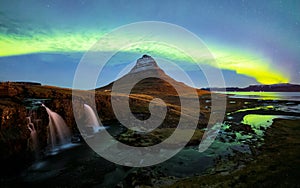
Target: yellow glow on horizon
point(249, 64)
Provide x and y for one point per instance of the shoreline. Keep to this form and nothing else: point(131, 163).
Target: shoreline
point(276, 163)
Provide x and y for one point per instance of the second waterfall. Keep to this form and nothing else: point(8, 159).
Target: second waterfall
point(59, 133)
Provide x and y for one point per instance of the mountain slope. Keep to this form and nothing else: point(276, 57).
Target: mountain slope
point(152, 82)
point(156, 82)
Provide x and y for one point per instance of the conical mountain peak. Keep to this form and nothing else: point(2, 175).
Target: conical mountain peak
point(144, 63)
point(153, 80)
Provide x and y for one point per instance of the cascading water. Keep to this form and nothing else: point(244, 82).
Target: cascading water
point(59, 133)
point(33, 136)
point(92, 121)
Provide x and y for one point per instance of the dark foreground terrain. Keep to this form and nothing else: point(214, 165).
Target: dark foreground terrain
point(257, 145)
point(276, 163)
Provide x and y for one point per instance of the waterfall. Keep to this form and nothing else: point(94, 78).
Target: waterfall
point(92, 121)
point(59, 133)
point(33, 136)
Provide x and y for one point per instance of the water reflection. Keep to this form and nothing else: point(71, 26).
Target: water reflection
point(295, 96)
point(259, 122)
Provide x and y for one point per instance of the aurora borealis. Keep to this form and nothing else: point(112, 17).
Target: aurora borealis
point(252, 41)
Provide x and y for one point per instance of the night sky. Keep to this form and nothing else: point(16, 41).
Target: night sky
point(252, 41)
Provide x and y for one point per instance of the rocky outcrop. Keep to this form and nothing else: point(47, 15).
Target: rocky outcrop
point(13, 134)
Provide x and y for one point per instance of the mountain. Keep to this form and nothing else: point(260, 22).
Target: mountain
point(153, 80)
point(285, 87)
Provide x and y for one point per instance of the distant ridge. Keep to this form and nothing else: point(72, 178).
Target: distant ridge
point(283, 87)
point(22, 83)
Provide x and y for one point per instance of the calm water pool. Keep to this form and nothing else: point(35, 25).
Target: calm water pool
point(290, 96)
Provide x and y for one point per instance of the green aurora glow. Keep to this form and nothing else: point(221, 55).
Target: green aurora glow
point(227, 58)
